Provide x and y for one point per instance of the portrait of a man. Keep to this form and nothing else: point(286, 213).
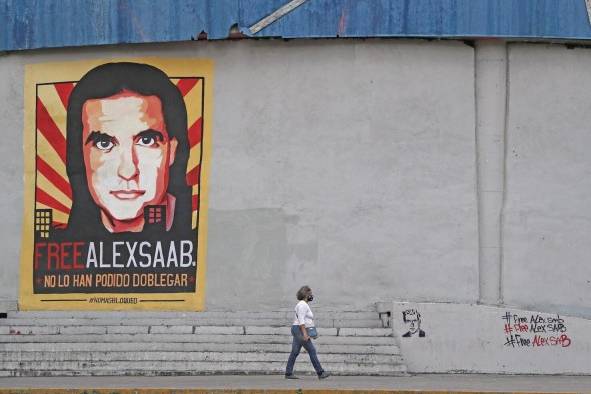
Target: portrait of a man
point(412, 318)
point(116, 169)
point(127, 149)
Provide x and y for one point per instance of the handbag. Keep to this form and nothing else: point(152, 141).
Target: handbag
point(312, 332)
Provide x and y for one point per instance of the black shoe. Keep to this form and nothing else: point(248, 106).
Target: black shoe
point(323, 375)
point(292, 376)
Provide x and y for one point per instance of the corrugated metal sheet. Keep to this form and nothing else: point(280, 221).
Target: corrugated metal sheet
point(28, 24)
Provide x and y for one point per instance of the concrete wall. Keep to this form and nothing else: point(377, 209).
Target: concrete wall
point(547, 239)
point(460, 338)
point(11, 177)
point(376, 170)
point(345, 165)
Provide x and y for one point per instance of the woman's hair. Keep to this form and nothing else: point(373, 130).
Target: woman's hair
point(107, 80)
point(303, 292)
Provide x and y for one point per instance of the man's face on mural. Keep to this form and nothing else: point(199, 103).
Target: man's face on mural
point(127, 154)
point(414, 323)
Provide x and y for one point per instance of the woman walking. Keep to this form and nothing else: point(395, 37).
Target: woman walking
point(303, 319)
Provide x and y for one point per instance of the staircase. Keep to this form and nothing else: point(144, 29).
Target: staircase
point(193, 343)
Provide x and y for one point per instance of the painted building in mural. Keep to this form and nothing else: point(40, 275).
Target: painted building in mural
point(203, 164)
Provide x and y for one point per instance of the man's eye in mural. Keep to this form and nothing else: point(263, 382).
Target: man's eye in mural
point(149, 138)
point(104, 145)
point(101, 141)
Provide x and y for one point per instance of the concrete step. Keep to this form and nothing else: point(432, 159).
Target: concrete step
point(366, 332)
point(185, 329)
point(52, 357)
point(144, 325)
point(151, 368)
point(287, 315)
point(323, 348)
point(179, 343)
point(212, 338)
point(201, 321)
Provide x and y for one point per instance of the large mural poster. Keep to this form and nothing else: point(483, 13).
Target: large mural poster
point(116, 169)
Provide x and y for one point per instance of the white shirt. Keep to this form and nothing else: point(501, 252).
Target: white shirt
point(303, 315)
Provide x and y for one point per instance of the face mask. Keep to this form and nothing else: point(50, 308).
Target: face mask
point(310, 298)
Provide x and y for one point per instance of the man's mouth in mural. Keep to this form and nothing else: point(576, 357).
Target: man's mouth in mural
point(127, 194)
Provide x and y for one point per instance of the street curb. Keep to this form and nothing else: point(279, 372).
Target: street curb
point(250, 391)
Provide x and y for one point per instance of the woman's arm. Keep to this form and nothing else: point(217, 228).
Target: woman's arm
point(304, 332)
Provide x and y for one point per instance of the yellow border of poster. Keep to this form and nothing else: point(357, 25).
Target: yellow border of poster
point(73, 71)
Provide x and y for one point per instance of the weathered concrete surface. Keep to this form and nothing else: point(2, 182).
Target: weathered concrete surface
point(348, 166)
point(11, 175)
point(473, 338)
point(167, 368)
point(547, 216)
point(491, 102)
point(428, 382)
point(124, 317)
point(41, 347)
point(201, 338)
point(135, 348)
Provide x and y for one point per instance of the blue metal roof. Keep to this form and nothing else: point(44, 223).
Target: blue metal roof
point(29, 24)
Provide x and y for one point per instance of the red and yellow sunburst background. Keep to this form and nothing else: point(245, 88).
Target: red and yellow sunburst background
point(52, 188)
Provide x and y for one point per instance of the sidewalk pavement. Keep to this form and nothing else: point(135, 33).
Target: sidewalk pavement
point(465, 383)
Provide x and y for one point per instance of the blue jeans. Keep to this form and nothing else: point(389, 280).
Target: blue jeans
point(296, 346)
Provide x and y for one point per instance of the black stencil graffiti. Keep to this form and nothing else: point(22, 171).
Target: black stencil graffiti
point(546, 330)
point(412, 318)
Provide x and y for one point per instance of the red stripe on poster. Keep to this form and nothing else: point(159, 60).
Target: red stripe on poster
point(59, 225)
point(54, 177)
point(49, 129)
point(193, 176)
point(64, 90)
point(195, 203)
point(45, 199)
point(186, 84)
point(195, 132)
